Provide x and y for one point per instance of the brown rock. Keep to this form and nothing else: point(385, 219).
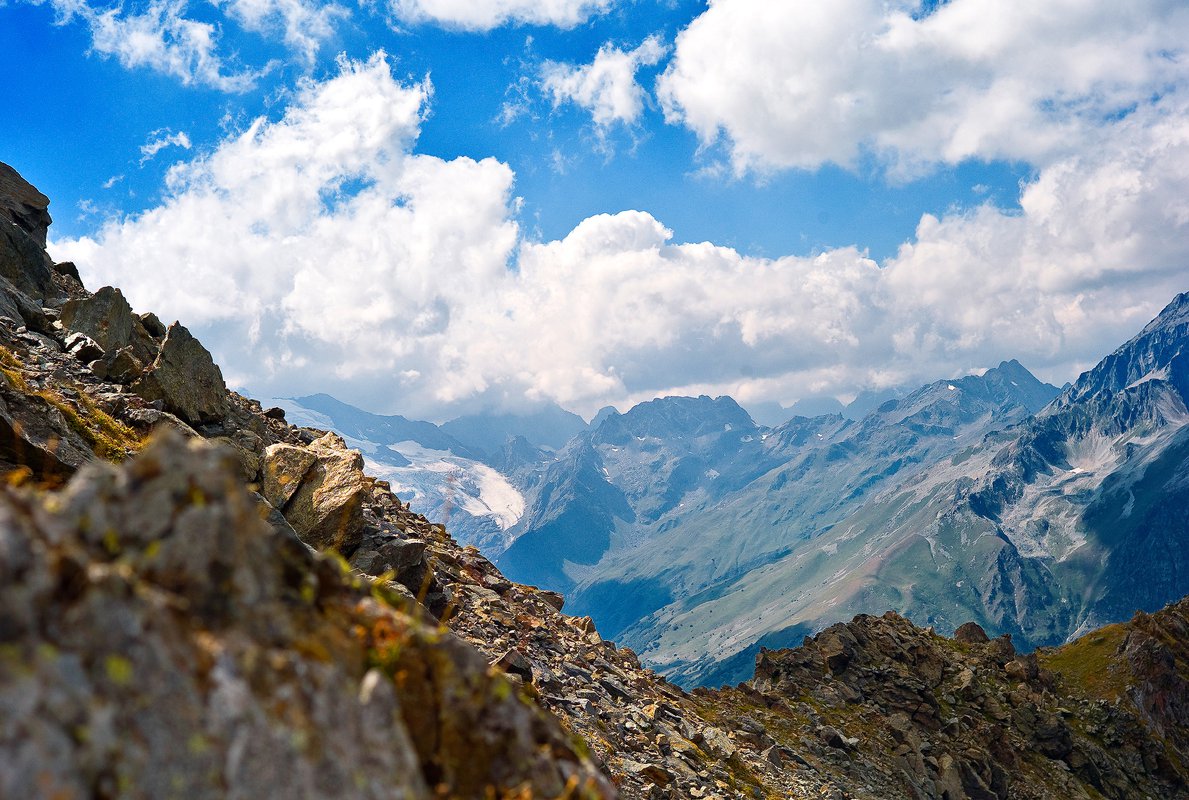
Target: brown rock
point(285, 466)
point(515, 662)
point(971, 633)
point(326, 510)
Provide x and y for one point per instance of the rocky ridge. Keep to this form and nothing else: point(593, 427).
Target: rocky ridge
point(170, 625)
point(893, 710)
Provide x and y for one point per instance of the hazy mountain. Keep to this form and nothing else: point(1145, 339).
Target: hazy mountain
point(816, 407)
point(550, 426)
point(868, 400)
point(703, 498)
point(954, 503)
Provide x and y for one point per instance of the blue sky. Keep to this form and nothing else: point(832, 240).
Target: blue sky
point(889, 192)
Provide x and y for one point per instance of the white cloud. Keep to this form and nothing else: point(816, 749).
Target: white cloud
point(317, 244)
point(320, 252)
point(484, 15)
point(158, 141)
point(159, 37)
point(802, 84)
point(606, 87)
point(304, 24)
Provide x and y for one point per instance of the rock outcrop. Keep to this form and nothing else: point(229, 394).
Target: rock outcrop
point(881, 703)
point(321, 490)
point(23, 205)
point(108, 320)
point(186, 379)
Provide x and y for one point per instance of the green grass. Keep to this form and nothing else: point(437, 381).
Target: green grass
point(1089, 663)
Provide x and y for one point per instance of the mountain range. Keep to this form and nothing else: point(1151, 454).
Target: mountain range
point(697, 536)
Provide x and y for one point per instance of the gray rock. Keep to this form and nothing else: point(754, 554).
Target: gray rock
point(23, 205)
point(83, 347)
point(186, 378)
point(121, 366)
point(108, 319)
point(394, 554)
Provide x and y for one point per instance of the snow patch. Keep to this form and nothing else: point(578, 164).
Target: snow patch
point(474, 488)
point(1155, 375)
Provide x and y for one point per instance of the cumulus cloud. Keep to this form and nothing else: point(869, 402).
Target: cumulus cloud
point(317, 244)
point(304, 24)
point(797, 85)
point(158, 141)
point(159, 37)
point(319, 251)
point(607, 87)
point(484, 15)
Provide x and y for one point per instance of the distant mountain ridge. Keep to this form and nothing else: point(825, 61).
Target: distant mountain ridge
point(550, 426)
point(696, 535)
point(1041, 525)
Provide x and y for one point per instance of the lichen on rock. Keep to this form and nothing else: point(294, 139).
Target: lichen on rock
point(158, 638)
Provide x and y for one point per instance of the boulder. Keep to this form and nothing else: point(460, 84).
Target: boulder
point(153, 325)
point(971, 633)
point(83, 347)
point(321, 491)
point(394, 554)
point(68, 269)
point(17, 306)
point(120, 366)
point(285, 466)
point(836, 645)
point(108, 319)
point(515, 662)
point(186, 378)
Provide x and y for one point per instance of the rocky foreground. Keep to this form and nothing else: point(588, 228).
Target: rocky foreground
point(200, 600)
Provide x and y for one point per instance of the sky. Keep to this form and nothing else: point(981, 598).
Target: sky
point(432, 207)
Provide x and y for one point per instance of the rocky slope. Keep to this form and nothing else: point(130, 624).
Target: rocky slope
point(904, 712)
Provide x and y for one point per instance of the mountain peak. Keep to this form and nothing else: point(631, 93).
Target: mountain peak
point(676, 417)
point(1174, 314)
point(548, 426)
point(1156, 352)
